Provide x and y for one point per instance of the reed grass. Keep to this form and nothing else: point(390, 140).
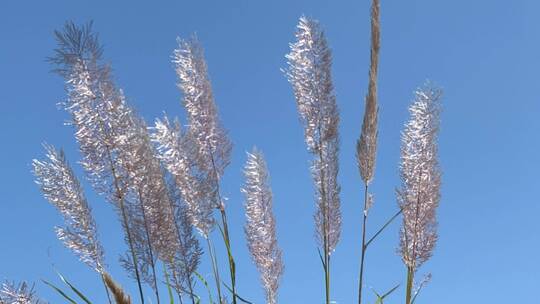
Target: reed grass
point(164, 181)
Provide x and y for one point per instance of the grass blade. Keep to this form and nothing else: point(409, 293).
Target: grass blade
point(58, 290)
point(383, 227)
point(80, 294)
point(205, 283)
point(380, 298)
point(239, 297)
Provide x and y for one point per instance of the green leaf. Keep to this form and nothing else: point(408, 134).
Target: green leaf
point(205, 283)
point(85, 299)
point(239, 297)
point(322, 260)
point(380, 299)
point(228, 246)
point(58, 290)
point(383, 227)
point(390, 291)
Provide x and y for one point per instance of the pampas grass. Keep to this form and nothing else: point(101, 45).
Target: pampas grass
point(164, 180)
point(309, 73)
point(21, 293)
point(260, 228)
point(419, 193)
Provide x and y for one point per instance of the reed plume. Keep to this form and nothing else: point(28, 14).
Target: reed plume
point(309, 73)
point(419, 194)
point(102, 120)
point(154, 229)
point(61, 188)
point(260, 228)
point(206, 133)
point(187, 258)
point(366, 147)
point(177, 153)
point(21, 293)
point(120, 296)
point(204, 126)
point(193, 196)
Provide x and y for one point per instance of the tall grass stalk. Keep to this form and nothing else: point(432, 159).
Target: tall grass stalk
point(212, 145)
point(215, 268)
point(309, 72)
point(99, 114)
point(367, 143)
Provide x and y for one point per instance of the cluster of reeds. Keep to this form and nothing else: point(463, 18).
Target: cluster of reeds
point(164, 180)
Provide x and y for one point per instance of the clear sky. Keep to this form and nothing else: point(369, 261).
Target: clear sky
point(485, 54)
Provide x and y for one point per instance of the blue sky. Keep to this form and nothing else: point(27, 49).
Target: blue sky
point(483, 53)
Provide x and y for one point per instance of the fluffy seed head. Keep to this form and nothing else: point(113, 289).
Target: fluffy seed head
point(309, 72)
point(61, 188)
point(419, 194)
point(209, 136)
point(11, 293)
point(177, 152)
point(260, 227)
point(366, 147)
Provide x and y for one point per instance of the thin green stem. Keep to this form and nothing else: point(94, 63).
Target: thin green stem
point(364, 246)
point(227, 240)
point(410, 279)
point(232, 265)
point(215, 268)
point(325, 229)
point(327, 279)
point(150, 251)
point(126, 225)
point(181, 244)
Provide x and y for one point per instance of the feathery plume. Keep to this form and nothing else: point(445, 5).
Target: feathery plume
point(188, 255)
point(176, 151)
point(419, 194)
point(154, 229)
point(120, 296)
point(366, 147)
point(309, 73)
point(101, 117)
point(139, 158)
point(260, 227)
point(22, 293)
point(421, 178)
point(209, 138)
point(61, 188)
